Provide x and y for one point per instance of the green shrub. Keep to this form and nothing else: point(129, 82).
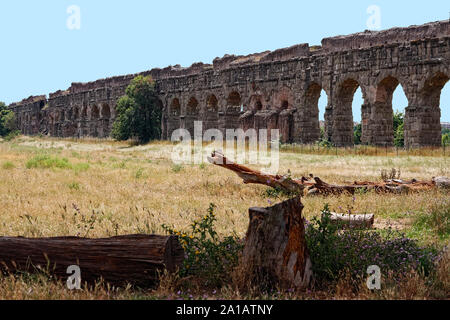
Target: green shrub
point(333, 251)
point(177, 168)
point(206, 255)
point(357, 132)
point(12, 135)
point(8, 165)
point(7, 120)
point(437, 219)
point(46, 162)
point(399, 140)
point(74, 186)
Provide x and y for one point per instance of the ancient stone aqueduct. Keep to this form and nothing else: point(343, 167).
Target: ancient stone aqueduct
point(278, 89)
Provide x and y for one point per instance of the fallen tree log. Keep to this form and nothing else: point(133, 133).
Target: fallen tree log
point(275, 252)
point(250, 176)
point(316, 186)
point(134, 259)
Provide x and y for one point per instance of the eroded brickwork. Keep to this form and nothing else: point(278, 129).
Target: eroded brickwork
point(278, 89)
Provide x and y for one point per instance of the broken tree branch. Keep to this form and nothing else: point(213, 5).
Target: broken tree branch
point(315, 185)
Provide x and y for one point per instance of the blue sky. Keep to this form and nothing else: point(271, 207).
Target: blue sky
point(39, 54)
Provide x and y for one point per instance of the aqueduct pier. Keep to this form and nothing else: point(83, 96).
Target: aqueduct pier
point(278, 89)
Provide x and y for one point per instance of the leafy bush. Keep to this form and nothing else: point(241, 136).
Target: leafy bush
point(8, 165)
point(333, 251)
point(7, 120)
point(206, 255)
point(357, 132)
point(277, 193)
point(43, 161)
point(436, 219)
point(138, 113)
point(399, 140)
point(446, 139)
point(46, 162)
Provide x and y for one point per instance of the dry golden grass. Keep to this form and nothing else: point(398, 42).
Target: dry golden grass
point(112, 188)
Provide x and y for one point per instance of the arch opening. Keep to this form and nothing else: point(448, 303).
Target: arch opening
point(175, 107)
point(444, 105)
point(76, 113)
point(343, 124)
point(212, 104)
point(94, 112)
point(192, 107)
point(258, 105)
point(106, 111)
point(234, 100)
point(316, 103)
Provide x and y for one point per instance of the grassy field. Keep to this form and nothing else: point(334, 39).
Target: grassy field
point(92, 188)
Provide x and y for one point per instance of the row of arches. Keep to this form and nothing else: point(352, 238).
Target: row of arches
point(234, 104)
point(370, 106)
point(93, 112)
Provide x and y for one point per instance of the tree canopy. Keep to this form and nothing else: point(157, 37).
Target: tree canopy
point(138, 112)
point(7, 120)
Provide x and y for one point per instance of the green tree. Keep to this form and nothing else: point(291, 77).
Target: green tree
point(7, 120)
point(138, 112)
point(357, 131)
point(446, 139)
point(399, 140)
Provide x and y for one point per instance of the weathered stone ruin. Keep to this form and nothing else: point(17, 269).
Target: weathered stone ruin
point(278, 89)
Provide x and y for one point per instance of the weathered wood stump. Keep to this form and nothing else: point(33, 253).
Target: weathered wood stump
point(134, 259)
point(275, 253)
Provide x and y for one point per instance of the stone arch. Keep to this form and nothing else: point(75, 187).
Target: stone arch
point(83, 114)
point(234, 100)
point(191, 115)
point(192, 106)
point(310, 115)
point(175, 107)
point(233, 110)
point(257, 106)
point(431, 91)
point(76, 113)
point(211, 115)
point(342, 113)
point(173, 117)
point(212, 104)
point(423, 120)
point(95, 114)
point(105, 111)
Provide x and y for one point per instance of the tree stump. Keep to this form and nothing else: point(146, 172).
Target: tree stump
point(275, 253)
point(134, 259)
